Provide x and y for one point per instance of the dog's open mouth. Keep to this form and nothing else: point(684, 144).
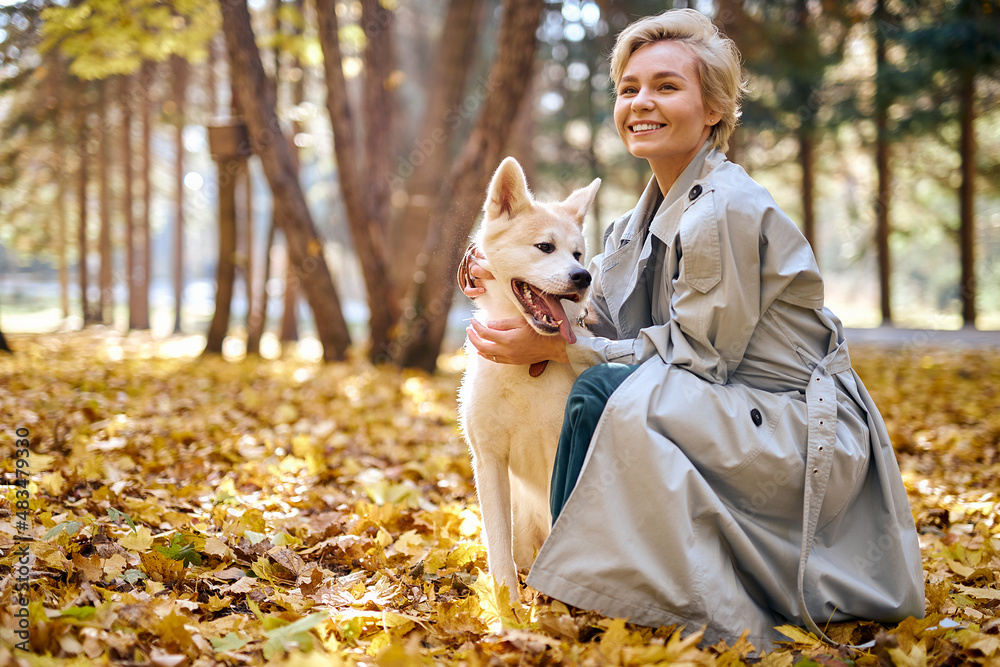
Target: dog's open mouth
point(545, 309)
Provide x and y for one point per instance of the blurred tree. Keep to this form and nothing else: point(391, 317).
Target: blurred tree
point(178, 107)
point(40, 147)
point(446, 86)
point(125, 93)
point(291, 26)
point(142, 255)
point(257, 104)
point(461, 193)
point(106, 304)
point(367, 228)
point(410, 330)
point(792, 44)
point(103, 39)
point(882, 23)
point(954, 44)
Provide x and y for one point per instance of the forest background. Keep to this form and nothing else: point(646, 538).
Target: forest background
point(249, 174)
point(187, 166)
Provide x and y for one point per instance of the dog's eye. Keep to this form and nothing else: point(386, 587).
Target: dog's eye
point(545, 247)
point(577, 256)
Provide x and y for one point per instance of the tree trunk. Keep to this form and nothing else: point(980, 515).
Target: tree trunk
point(289, 326)
point(244, 243)
point(380, 128)
point(884, 176)
point(107, 302)
point(3, 344)
point(463, 192)
point(144, 268)
point(426, 164)
point(179, 67)
point(257, 320)
point(967, 197)
point(225, 273)
point(289, 329)
point(127, 195)
point(83, 138)
point(62, 233)
point(729, 18)
point(807, 142)
point(366, 230)
point(267, 141)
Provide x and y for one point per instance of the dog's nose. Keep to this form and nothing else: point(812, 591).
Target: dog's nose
point(580, 278)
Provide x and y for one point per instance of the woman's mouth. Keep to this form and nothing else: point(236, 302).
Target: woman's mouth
point(644, 127)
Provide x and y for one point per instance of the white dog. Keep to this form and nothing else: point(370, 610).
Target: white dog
point(512, 415)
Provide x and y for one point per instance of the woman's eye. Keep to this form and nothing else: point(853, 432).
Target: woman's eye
point(545, 247)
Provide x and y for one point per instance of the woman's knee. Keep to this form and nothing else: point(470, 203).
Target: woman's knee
point(600, 381)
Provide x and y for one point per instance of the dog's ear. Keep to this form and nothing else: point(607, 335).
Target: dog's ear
point(578, 203)
point(508, 193)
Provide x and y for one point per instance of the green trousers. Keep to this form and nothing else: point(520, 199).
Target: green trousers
point(587, 398)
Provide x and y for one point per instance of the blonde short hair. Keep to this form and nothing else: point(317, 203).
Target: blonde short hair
point(719, 61)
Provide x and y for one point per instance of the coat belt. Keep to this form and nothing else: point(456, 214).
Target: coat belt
point(821, 437)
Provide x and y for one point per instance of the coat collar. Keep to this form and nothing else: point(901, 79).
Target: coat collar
point(684, 191)
point(625, 265)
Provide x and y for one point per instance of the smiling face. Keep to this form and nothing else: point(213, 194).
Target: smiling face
point(660, 113)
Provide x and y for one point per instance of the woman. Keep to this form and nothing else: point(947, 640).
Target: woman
point(721, 464)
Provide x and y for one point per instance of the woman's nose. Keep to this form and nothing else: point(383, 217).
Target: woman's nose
point(641, 100)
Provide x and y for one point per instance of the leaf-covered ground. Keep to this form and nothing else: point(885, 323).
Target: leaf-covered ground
point(190, 511)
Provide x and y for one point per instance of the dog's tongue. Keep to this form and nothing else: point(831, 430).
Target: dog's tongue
point(555, 305)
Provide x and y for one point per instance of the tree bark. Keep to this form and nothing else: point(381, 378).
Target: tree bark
point(366, 230)
point(104, 281)
point(967, 197)
point(426, 164)
point(225, 273)
point(379, 120)
point(729, 18)
point(268, 142)
point(258, 309)
point(62, 233)
point(882, 228)
point(83, 138)
point(131, 274)
point(463, 192)
point(807, 142)
point(144, 267)
point(180, 81)
point(289, 325)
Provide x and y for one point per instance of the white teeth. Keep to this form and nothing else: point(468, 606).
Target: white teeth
point(642, 127)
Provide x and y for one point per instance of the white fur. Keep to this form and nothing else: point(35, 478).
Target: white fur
point(510, 419)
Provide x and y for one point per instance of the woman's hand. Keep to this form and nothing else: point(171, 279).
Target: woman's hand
point(471, 275)
point(513, 341)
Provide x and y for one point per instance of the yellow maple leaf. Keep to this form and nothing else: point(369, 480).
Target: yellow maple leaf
point(496, 606)
point(216, 547)
point(88, 569)
point(53, 483)
point(140, 540)
point(798, 635)
point(114, 565)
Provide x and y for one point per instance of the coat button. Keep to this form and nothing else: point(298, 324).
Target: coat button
point(757, 418)
point(695, 193)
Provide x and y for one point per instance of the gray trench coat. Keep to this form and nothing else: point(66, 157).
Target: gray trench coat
point(742, 474)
